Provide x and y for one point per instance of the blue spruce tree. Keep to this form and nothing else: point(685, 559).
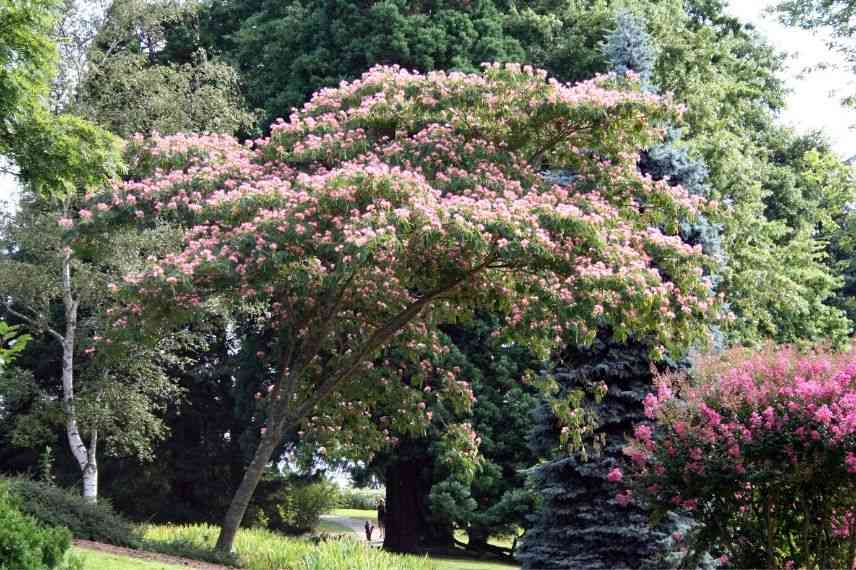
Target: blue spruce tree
point(630, 49)
point(578, 523)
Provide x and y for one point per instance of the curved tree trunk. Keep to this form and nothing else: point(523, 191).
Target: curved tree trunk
point(241, 499)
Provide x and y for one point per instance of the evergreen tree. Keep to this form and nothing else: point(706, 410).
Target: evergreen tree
point(578, 523)
point(629, 47)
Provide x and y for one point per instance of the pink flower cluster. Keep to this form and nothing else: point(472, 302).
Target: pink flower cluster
point(754, 434)
point(402, 200)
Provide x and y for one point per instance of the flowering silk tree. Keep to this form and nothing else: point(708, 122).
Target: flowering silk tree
point(398, 202)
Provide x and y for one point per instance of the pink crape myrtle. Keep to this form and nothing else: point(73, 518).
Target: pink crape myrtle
point(761, 448)
point(396, 203)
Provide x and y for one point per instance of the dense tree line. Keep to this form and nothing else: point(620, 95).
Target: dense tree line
point(783, 237)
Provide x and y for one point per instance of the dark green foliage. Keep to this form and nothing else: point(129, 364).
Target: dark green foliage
point(578, 523)
point(25, 544)
point(364, 499)
point(54, 506)
point(501, 418)
point(433, 487)
point(285, 51)
point(291, 505)
point(213, 428)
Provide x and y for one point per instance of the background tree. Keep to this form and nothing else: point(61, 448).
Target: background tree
point(27, 58)
point(435, 485)
point(127, 87)
point(11, 343)
point(833, 16)
point(110, 398)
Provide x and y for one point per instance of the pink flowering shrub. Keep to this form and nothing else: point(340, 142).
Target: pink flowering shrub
point(760, 447)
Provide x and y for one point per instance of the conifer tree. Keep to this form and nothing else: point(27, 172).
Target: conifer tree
point(579, 523)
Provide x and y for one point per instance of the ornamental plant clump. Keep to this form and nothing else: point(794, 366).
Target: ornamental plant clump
point(760, 447)
point(391, 205)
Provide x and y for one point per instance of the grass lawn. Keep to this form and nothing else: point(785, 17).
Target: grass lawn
point(332, 528)
point(464, 564)
point(101, 561)
point(264, 550)
point(260, 549)
point(363, 515)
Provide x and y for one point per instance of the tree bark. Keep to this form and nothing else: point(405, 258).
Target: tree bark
point(404, 528)
point(86, 457)
point(477, 538)
point(242, 497)
point(408, 484)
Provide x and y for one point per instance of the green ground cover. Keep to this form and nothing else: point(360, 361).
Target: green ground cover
point(360, 514)
point(93, 560)
point(331, 527)
point(260, 549)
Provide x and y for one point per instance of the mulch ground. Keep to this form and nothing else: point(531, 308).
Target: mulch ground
point(144, 555)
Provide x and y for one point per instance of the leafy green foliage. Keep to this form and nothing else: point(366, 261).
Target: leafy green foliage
point(128, 88)
point(27, 58)
point(53, 506)
point(360, 499)
point(11, 343)
point(24, 543)
point(320, 43)
point(290, 505)
point(61, 155)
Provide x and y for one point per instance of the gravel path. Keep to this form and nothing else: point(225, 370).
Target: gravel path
point(143, 555)
point(357, 527)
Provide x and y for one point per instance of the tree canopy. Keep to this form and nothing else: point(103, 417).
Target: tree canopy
point(345, 230)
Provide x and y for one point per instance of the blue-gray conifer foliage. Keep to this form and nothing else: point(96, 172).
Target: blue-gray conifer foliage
point(630, 48)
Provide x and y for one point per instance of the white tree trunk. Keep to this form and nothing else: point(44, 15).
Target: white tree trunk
point(86, 457)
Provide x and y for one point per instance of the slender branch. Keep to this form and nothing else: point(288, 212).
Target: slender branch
point(34, 323)
point(538, 156)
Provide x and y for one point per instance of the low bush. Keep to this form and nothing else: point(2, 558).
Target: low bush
point(24, 543)
point(262, 549)
point(760, 448)
point(292, 506)
point(361, 499)
point(54, 506)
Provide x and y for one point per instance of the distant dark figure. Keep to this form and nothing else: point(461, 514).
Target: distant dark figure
point(381, 517)
point(369, 531)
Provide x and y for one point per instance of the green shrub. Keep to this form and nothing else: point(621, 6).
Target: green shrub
point(292, 506)
point(54, 506)
point(362, 499)
point(24, 543)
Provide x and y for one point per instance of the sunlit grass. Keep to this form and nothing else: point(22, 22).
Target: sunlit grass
point(259, 549)
point(93, 560)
